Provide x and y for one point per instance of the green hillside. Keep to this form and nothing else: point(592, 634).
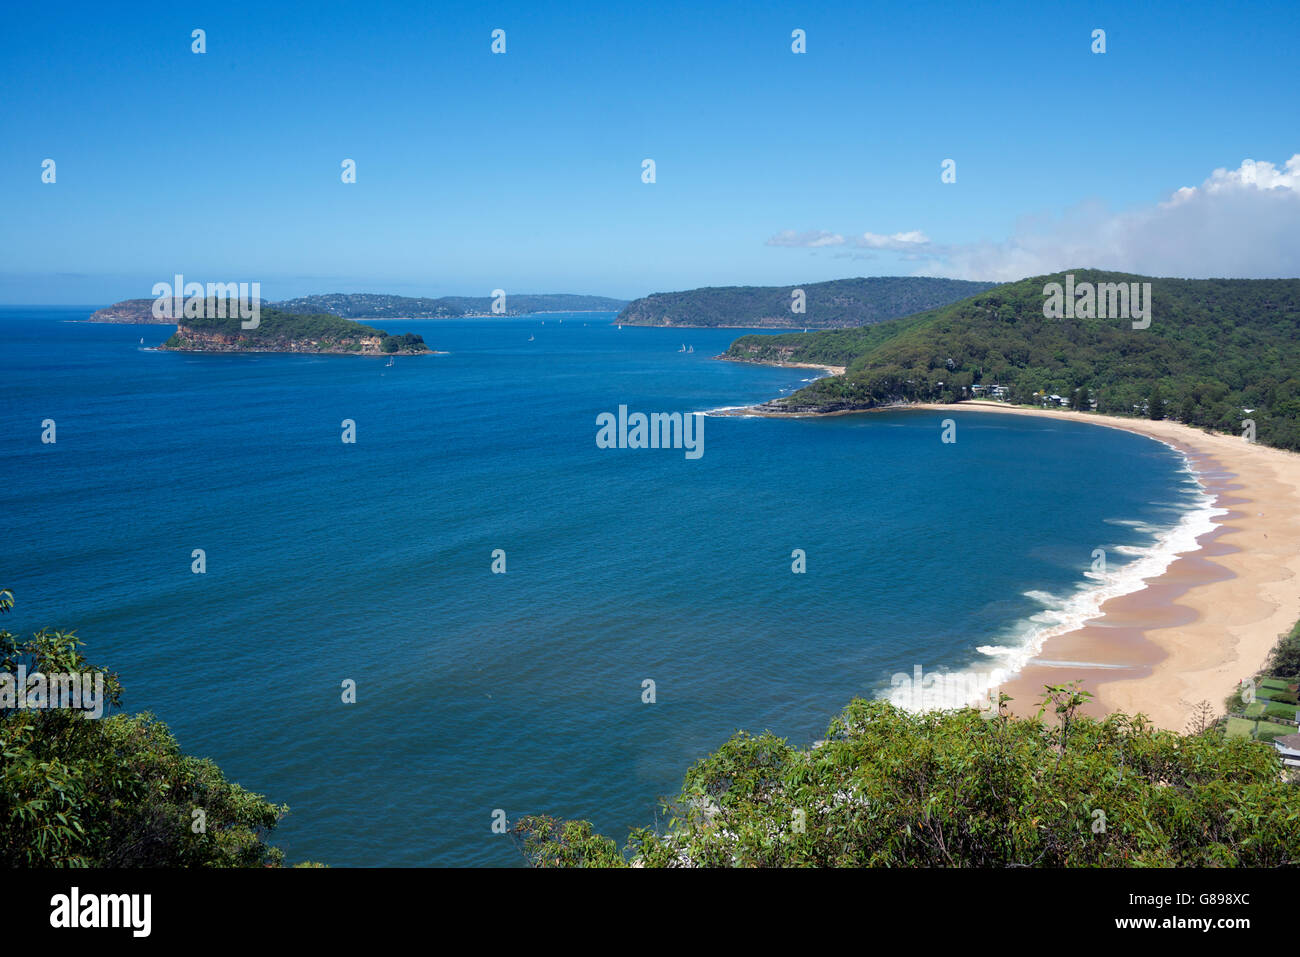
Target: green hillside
point(1214, 349)
point(842, 302)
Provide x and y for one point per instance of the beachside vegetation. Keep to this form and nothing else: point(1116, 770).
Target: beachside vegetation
point(1267, 705)
point(1285, 660)
point(961, 789)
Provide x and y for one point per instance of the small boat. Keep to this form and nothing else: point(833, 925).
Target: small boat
point(683, 348)
point(620, 327)
point(142, 340)
point(691, 349)
point(390, 361)
point(531, 338)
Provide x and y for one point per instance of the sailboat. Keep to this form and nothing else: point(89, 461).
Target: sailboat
point(531, 338)
point(142, 340)
point(390, 361)
point(683, 348)
point(691, 349)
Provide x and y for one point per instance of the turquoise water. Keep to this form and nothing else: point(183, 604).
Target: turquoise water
point(372, 561)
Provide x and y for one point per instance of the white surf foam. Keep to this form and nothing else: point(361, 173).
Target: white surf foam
point(1066, 613)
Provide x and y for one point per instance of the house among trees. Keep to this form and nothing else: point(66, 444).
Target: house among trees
point(1288, 746)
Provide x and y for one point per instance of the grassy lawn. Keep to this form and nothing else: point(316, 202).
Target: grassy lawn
point(1267, 730)
point(1275, 684)
point(1279, 710)
point(1255, 709)
point(1256, 730)
point(1240, 728)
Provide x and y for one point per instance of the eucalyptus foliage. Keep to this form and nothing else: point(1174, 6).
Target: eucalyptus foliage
point(889, 788)
point(114, 791)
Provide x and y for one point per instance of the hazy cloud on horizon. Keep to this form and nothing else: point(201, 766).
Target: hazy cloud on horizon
point(1239, 223)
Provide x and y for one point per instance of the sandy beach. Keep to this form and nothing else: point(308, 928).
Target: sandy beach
point(1211, 619)
point(1214, 615)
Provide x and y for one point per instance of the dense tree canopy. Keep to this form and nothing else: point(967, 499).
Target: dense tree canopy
point(113, 791)
point(1215, 349)
point(841, 302)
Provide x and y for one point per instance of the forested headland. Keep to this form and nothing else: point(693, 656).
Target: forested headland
point(1216, 353)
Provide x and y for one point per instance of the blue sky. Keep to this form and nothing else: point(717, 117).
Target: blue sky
point(523, 170)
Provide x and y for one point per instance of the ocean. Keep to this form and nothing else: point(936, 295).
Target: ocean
point(371, 561)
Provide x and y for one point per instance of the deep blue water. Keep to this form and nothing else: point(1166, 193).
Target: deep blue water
point(328, 561)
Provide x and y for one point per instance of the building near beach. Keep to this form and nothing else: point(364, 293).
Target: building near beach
point(1289, 747)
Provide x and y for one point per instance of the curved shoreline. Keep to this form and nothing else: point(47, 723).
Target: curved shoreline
point(1192, 632)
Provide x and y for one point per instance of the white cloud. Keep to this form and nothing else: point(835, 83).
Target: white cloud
point(808, 240)
point(1250, 174)
point(1241, 223)
point(908, 240)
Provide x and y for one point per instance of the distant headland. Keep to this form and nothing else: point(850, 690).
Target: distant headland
point(816, 305)
point(1218, 354)
point(382, 306)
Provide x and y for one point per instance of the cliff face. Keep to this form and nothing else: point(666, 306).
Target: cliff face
point(193, 340)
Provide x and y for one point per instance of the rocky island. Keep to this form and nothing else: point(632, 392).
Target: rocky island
point(289, 332)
